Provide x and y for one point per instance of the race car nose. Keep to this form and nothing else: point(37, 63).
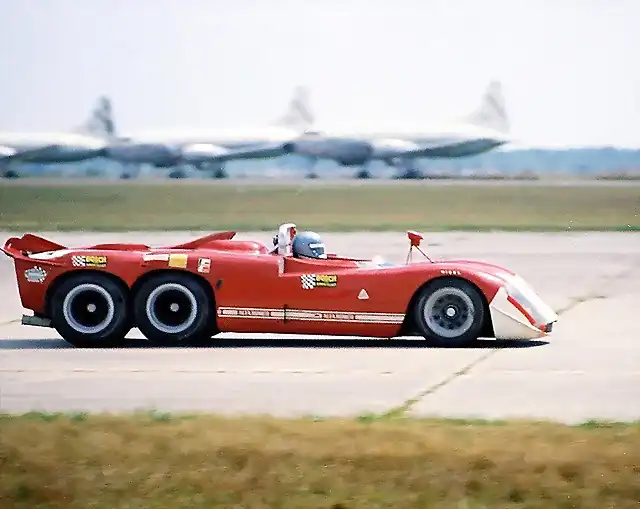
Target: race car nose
point(548, 328)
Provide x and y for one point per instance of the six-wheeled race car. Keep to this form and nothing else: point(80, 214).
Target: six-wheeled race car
point(185, 294)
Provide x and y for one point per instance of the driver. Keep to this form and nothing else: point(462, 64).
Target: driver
point(308, 245)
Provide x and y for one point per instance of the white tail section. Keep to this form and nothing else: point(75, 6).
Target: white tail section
point(492, 111)
point(100, 122)
point(298, 115)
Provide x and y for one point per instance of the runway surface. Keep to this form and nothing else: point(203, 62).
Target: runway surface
point(588, 368)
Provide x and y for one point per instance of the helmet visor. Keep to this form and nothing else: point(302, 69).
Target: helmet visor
point(318, 250)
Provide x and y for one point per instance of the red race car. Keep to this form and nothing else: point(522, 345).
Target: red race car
point(187, 293)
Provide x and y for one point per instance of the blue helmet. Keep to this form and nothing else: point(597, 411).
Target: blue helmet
point(308, 245)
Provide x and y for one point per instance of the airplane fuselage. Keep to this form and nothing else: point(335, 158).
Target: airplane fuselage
point(354, 147)
point(169, 148)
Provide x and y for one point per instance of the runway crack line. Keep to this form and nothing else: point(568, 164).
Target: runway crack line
point(601, 292)
point(404, 407)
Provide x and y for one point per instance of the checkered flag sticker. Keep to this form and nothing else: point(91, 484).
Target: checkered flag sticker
point(78, 261)
point(308, 281)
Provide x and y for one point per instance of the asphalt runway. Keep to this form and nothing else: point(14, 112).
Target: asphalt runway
point(589, 368)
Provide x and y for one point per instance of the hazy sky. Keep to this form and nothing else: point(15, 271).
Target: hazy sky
point(569, 68)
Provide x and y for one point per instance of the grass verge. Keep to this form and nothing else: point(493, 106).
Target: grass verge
point(202, 205)
point(168, 461)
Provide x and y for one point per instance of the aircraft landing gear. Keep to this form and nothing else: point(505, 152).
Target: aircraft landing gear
point(363, 173)
point(177, 173)
point(7, 173)
point(129, 171)
point(406, 169)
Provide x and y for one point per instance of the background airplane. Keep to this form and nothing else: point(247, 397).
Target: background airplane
point(211, 148)
point(84, 142)
point(485, 129)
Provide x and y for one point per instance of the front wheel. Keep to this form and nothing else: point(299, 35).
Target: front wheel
point(90, 311)
point(450, 313)
point(174, 310)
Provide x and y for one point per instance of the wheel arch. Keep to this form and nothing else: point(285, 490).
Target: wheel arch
point(65, 276)
point(408, 326)
point(206, 285)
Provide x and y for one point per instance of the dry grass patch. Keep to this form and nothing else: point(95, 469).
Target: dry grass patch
point(374, 206)
point(162, 461)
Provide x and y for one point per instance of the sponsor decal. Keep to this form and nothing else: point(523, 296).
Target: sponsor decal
point(310, 315)
point(89, 261)
point(450, 272)
point(155, 257)
point(204, 265)
point(251, 313)
point(35, 275)
point(178, 261)
point(310, 281)
point(330, 315)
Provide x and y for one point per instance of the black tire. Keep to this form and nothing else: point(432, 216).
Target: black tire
point(465, 304)
point(177, 174)
point(10, 174)
point(91, 311)
point(189, 324)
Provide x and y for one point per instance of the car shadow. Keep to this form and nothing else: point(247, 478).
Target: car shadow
point(287, 342)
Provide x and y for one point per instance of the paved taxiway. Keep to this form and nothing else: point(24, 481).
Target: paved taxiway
point(589, 367)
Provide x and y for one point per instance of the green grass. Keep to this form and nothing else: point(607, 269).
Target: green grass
point(160, 460)
point(374, 206)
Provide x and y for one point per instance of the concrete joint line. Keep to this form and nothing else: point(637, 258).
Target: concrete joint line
point(600, 293)
point(406, 406)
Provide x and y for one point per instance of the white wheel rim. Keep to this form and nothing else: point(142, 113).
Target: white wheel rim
point(69, 301)
point(157, 323)
point(449, 312)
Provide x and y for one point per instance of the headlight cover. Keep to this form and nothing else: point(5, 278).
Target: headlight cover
point(537, 311)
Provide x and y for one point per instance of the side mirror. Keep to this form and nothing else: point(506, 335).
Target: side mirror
point(414, 238)
point(414, 241)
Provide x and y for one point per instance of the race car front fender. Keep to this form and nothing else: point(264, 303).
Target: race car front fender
point(511, 320)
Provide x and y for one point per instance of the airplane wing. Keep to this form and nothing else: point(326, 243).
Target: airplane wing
point(445, 147)
point(205, 152)
point(8, 154)
point(390, 148)
point(255, 152)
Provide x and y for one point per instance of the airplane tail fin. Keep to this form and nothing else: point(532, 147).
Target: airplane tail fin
point(100, 122)
point(492, 111)
point(298, 115)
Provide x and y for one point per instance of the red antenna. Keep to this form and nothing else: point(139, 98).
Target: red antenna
point(414, 241)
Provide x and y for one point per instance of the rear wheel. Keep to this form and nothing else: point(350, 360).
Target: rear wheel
point(174, 310)
point(450, 313)
point(90, 311)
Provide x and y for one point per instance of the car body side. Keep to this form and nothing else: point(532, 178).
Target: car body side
point(254, 291)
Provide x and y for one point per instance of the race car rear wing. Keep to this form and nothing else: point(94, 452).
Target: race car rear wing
point(28, 244)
